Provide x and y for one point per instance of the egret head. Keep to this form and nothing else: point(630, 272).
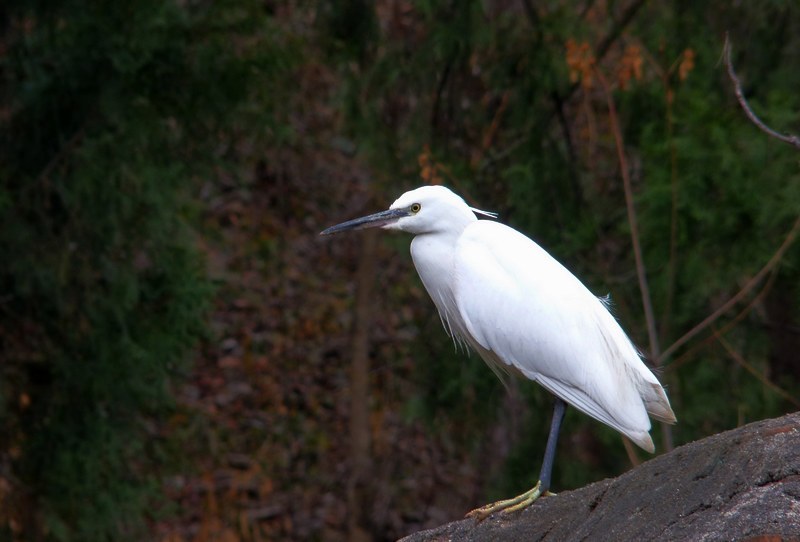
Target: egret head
point(427, 209)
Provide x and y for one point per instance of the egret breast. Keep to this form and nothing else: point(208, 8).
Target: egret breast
point(433, 259)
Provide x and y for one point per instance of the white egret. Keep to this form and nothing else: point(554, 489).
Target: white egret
point(518, 308)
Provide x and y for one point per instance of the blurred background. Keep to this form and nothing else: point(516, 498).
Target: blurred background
point(184, 359)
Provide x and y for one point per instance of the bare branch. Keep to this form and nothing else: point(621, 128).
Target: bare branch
point(738, 358)
point(641, 272)
point(738, 297)
point(737, 87)
point(359, 486)
point(620, 25)
point(755, 300)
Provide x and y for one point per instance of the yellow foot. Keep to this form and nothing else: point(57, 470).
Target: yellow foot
point(509, 505)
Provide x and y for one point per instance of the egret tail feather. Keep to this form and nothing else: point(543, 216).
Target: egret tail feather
point(657, 404)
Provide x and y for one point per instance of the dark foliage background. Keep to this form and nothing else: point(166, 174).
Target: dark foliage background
point(182, 358)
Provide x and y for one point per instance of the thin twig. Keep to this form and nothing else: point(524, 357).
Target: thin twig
point(490, 133)
point(641, 272)
point(686, 356)
point(359, 485)
point(533, 18)
point(637, 249)
point(624, 20)
point(672, 264)
point(738, 358)
point(631, 451)
point(577, 192)
point(440, 89)
point(736, 298)
point(737, 87)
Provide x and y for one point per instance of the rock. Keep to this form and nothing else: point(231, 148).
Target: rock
point(743, 484)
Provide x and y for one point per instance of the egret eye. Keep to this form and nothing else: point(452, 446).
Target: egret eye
point(415, 208)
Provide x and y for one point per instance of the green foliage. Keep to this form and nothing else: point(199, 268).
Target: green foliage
point(115, 116)
point(115, 112)
point(550, 169)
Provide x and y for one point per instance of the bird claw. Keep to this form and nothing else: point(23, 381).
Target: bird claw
point(510, 505)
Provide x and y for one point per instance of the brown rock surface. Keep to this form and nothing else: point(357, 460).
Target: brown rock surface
point(743, 484)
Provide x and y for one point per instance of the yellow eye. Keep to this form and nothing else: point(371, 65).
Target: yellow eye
point(415, 208)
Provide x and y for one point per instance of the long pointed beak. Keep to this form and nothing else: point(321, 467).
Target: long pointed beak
point(371, 221)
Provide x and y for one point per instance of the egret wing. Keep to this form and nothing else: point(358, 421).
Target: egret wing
point(524, 309)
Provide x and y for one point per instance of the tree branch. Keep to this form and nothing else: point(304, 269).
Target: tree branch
point(632, 221)
point(359, 487)
point(756, 299)
point(641, 272)
point(625, 19)
point(738, 358)
point(735, 299)
point(791, 139)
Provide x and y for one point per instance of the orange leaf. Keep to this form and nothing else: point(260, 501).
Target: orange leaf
point(580, 61)
point(630, 66)
point(686, 65)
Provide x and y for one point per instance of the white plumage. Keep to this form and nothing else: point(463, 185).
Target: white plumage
point(517, 307)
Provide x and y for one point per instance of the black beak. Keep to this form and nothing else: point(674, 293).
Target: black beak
point(371, 221)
